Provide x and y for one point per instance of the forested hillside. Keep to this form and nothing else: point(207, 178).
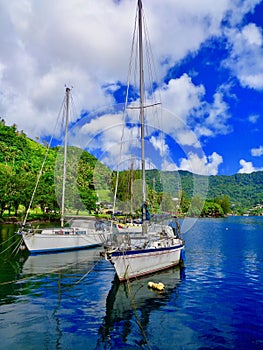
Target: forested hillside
point(243, 190)
point(89, 181)
point(21, 160)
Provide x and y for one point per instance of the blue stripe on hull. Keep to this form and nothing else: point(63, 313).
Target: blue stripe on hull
point(57, 250)
point(142, 251)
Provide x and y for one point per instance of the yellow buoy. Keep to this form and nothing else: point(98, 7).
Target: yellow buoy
point(159, 286)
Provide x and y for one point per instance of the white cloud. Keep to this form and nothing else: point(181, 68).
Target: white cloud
point(181, 96)
point(47, 44)
point(257, 152)
point(252, 34)
point(159, 145)
point(201, 165)
point(247, 167)
point(245, 59)
point(213, 118)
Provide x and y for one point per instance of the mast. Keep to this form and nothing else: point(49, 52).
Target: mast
point(142, 121)
point(65, 158)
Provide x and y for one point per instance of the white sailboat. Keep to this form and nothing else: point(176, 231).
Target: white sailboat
point(82, 233)
point(151, 246)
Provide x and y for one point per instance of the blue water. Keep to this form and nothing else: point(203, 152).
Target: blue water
point(72, 301)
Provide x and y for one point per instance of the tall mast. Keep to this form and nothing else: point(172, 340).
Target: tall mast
point(142, 103)
point(65, 158)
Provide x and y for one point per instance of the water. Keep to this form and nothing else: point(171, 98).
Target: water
point(72, 301)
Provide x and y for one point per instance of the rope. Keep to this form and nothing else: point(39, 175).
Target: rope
point(86, 274)
point(8, 247)
point(136, 314)
point(16, 250)
point(49, 272)
point(2, 243)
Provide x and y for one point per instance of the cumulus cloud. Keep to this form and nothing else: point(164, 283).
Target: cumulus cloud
point(247, 167)
point(47, 44)
point(202, 165)
point(213, 117)
point(246, 47)
point(181, 96)
point(159, 144)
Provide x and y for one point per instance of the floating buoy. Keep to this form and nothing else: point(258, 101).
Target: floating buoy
point(158, 286)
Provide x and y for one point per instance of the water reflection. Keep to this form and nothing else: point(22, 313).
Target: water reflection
point(47, 297)
point(50, 263)
point(129, 307)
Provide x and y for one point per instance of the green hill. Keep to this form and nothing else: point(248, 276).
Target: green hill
point(243, 190)
point(88, 180)
point(21, 160)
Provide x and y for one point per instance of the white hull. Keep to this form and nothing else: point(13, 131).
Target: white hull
point(135, 263)
point(40, 243)
point(81, 235)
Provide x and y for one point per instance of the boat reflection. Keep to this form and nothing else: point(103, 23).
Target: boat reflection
point(50, 263)
point(129, 306)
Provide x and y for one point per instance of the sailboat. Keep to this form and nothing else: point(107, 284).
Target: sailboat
point(153, 245)
point(83, 232)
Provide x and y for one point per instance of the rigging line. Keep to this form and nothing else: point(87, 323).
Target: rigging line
point(124, 118)
point(42, 167)
point(157, 122)
point(154, 93)
point(150, 60)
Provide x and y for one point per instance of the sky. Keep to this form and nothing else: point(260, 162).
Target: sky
point(209, 73)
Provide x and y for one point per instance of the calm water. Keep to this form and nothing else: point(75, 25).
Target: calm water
point(72, 301)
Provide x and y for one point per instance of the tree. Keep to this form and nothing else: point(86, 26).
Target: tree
point(212, 209)
point(184, 202)
point(196, 206)
point(224, 203)
point(5, 175)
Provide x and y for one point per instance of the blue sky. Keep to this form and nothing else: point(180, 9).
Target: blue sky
point(209, 67)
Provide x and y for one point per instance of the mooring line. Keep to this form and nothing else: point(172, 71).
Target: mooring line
point(134, 306)
point(49, 272)
point(16, 249)
point(3, 251)
point(86, 274)
point(2, 243)
point(136, 314)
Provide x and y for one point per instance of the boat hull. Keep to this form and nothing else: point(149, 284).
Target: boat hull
point(135, 263)
point(46, 243)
